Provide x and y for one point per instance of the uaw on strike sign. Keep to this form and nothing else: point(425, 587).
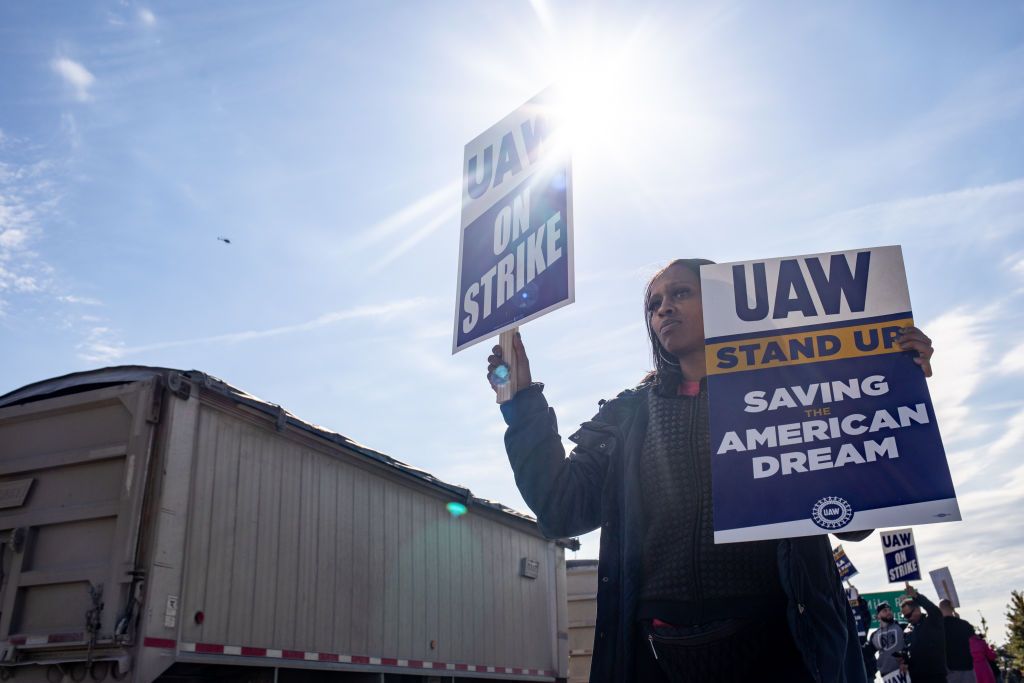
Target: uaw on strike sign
point(515, 253)
point(819, 421)
point(900, 555)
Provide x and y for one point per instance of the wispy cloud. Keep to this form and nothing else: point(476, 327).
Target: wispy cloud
point(26, 194)
point(962, 338)
point(81, 300)
point(990, 95)
point(75, 75)
point(985, 564)
point(19, 283)
point(989, 211)
point(30, 196)
point(1012, 436)
point(146, 16)
point(100, 346)
point(1013, 361)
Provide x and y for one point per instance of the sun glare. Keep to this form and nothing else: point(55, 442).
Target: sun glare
point(601, 94)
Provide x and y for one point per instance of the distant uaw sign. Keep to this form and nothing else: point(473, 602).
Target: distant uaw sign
point(900, 555)
point(516, 250)
point(843, 563)
point(819, 421)
point(896, 676)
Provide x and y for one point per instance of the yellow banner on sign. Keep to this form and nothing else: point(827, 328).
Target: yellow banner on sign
point(758, 353)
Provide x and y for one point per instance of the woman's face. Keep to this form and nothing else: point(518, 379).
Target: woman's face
point(675, 311)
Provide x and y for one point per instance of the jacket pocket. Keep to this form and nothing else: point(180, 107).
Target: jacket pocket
point(595, 437)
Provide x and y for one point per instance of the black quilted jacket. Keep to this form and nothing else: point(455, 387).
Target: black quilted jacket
point(598, 486)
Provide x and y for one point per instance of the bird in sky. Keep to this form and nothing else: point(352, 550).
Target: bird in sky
point(225, 240)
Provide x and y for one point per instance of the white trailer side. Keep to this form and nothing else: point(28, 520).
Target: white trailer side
point(581, 594)
point(254, 542)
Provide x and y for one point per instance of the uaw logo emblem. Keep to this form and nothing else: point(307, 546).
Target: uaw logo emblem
point(832, 512)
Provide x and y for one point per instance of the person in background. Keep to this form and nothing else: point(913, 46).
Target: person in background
point(671, 604)
point(885, 641)
point(862, 616)
point(983, 657)
point(958, 645)
point(926, 638)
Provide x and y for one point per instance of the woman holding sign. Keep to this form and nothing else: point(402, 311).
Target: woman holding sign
point(672, 605)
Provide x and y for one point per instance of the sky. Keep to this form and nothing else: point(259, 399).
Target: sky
point(325, 141)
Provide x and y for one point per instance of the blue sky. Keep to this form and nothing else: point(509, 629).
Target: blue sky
point(325, 140)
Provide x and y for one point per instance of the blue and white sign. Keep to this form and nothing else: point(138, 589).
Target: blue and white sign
point(896, 676)
point(843, 563)
point(819, 421)
point(516, 249)
point(900, 555)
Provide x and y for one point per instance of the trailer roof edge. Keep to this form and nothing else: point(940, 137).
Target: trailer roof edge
point(77, 382)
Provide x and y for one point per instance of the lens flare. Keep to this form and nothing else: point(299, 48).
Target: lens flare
point(456, 509)
point(498, 377)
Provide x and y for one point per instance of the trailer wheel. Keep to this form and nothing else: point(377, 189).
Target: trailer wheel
point(6, 674)
point(54, 673)
point(116, 673)
point(99, 670)
point(78, 671)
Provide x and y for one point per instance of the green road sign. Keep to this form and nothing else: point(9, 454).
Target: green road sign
point(873, 599)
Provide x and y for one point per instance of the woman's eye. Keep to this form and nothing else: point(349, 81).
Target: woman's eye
point(681, 293)
point(653, 304)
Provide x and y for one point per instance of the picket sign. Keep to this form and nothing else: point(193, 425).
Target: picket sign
point(820, 422)
point(900, 553)
point(896, 676)
point(516, 237)
point(843, 563)
point(942, 579)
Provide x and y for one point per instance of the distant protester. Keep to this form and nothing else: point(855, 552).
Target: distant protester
point(862, 617)
point(886, 641)
point(926, 638)
point(958, 645)
point(671, 604)
point(984, 658)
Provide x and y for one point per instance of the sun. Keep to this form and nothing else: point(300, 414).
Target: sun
point(602, 95)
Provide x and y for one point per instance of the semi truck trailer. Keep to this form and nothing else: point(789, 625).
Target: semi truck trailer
point(160, 524)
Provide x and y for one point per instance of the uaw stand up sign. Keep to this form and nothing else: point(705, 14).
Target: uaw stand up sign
point(819, 421)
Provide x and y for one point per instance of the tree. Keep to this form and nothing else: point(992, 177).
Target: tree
point(1015, 628)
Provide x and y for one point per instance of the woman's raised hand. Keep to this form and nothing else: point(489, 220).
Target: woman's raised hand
point(518, 363)
point(913, 339)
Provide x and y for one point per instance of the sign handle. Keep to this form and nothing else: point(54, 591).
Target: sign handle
point(949, 595)
point(506, 391)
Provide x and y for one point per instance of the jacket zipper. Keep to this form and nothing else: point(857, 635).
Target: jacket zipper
point(694, 456)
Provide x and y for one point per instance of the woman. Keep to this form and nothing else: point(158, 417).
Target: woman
point(983, 656)
point(672, 606)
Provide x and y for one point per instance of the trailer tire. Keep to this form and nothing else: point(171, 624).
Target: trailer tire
point(54, 670)
point(78, 671)
point(116, 673)
point(99, 671)
point(6, 674)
